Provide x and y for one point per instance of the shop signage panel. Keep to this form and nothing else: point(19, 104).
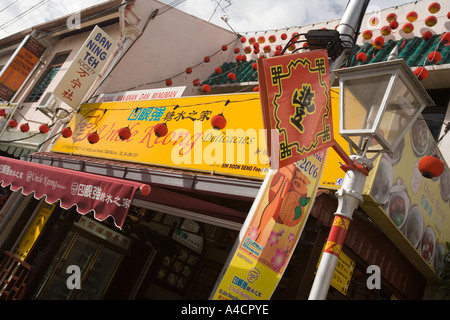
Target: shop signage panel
point(104, 196)
point(413, 210)
point(410, 209)
point(271, 231)
point(343, 273)
point(20, 66)
point(191, 143)
point(295, 100)
point(103, 232)
point(34, 230)
point(85, 68)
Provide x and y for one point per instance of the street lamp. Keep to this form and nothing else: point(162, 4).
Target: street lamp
point(378, 104)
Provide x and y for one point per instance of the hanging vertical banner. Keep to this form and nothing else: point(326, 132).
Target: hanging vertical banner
point(85, 67)
point(295, 100)
point(19, 67)
point(272, 230)
point(34, 230)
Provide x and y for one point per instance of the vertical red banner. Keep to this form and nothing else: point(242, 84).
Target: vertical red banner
point(295, 100)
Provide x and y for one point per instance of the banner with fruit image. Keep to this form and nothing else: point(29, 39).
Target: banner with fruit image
point(272, 230)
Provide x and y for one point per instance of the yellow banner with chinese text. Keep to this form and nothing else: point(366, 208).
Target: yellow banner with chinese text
point(191, 142)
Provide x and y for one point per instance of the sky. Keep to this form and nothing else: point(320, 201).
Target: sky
point(240, 15)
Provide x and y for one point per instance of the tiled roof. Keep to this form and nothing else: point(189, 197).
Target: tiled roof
point(414, 51)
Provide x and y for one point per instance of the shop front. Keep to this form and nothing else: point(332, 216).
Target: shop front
point(173, 226)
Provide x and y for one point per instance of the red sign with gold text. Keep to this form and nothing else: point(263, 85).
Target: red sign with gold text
point(295, 100)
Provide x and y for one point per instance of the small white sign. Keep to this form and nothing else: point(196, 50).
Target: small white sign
point(85, 67)
point(138, 95)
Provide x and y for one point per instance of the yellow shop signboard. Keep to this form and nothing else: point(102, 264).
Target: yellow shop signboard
point(191, 143)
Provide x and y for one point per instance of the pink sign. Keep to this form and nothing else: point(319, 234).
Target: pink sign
point(104, 195)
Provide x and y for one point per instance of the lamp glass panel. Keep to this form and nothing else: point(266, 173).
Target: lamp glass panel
point(362, 101)
point(400, 108)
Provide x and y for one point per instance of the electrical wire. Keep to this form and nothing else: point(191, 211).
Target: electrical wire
point(9, 5)
point(15, 19)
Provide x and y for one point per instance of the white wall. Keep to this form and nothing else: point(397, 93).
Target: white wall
point(170, 43)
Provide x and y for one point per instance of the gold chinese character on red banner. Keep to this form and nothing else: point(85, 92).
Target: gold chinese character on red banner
point(295, 100)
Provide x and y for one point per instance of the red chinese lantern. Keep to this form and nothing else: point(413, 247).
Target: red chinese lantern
point(445, 38)
point(66, 132)
point(218, 70)
point(254, 66)
point(12, 123)
point(243, 58)
point(256, 89)
point(385, 30)
point(224, 47)
point(43, 128)
point(24, 127)
point(434, 7)
point(248, 49)
point(238, 58)
point(378, 42)
point(411, 16)
point(237, 50)
point(243, 39)
point(256, 51)
point(267, 49)
point(283, 36)
point(295, 36)
point(277, 53)
point(427, 35)
point(218, 122)
point(2, 113)
point(145, 189)
point(430, 21)
point(393, 24)
point(124, 133)
point(168, 82)
point(272, 39)
point(408, 28)
point(391, 17)
point(367, 34)
point(196, 82)
point(431, 167)
point(188, 70)
point(361, 57)
point(206, 88)
point(261, 39)
point(252, 40)
point(231, 76)
point(448, 15)
point(434, 57)
point(291, 47)
point(207, 59)
point(161, 130)
point(421, 73)
point(93, 137)
point(256, 45)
